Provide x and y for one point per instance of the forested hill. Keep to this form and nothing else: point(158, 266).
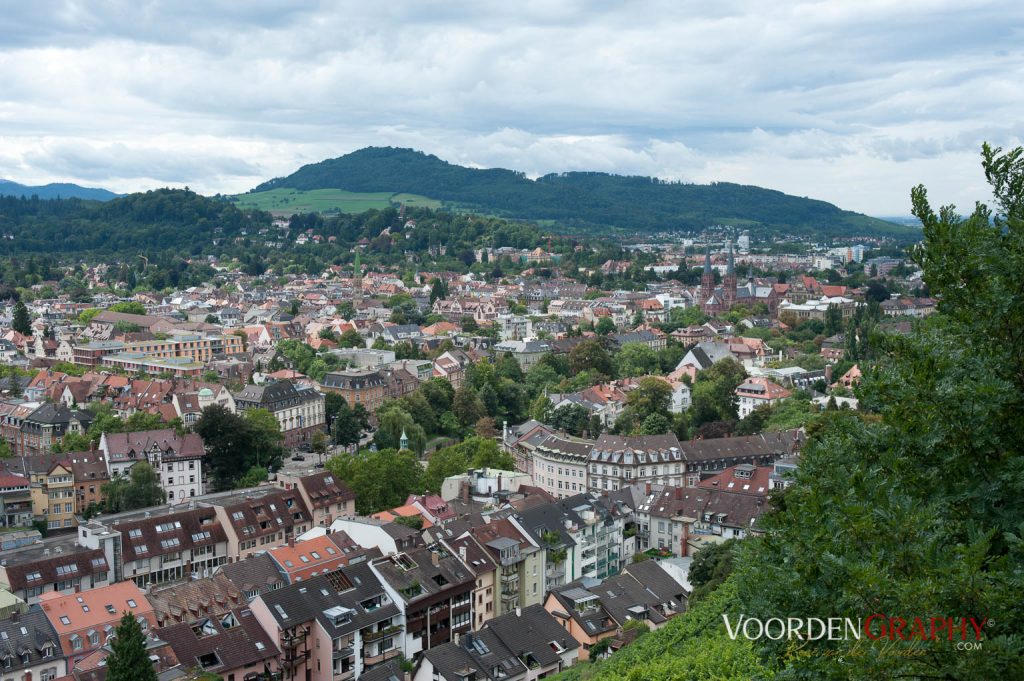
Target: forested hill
point(161, 219)
point(57, 190)
point(583, 199)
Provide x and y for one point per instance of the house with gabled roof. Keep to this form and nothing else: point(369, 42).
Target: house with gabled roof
point(30, 647)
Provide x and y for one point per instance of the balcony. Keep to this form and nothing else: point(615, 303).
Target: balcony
point(375, 635)
point(345, 676)
point(342, 653)
point(369, 661)
point(510, 576)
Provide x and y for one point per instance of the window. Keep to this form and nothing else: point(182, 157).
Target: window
point(64, 620)
point(131, 603)
point(94, 638)
point(76, 642)
point(134, 533)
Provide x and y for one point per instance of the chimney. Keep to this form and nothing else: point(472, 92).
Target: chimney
point(648, 489)
point(828, 373)
point(679, 493)
point(462, 553)
point(465, 491)
point(519, 612)
point(499, 482)
point(291, 540)
point(435, 558)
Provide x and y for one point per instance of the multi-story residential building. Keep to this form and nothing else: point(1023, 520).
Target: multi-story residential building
point(191, 347)
point(15, 501)
point(257, 518)
point(525, 645)
point(60, 566)
point(46, 426)
point(617, 461)
point(91, 473)
point(643, 592)
point(31, 648)
point(178, 460)
point(159, 545)
point(53, 495)
point(758, 392)
point(521, 561)
point(85, 621)
point(326, 497)
point(705, 458)
point(434, 591)
point(560, 465)
point(333, 627)
point(478, 560)
point(368, 388)
point(299, 411)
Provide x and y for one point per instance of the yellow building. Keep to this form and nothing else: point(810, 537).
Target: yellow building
point(53, 496)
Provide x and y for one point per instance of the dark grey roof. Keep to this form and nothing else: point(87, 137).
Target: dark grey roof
point(414, 575)
point(335, 599)
point(352, 380)
point(532, 630)
point(389, 671)
point(30, 633)
point(255, 573)
point(57, 414)
point(482, 651)
point(277, 394)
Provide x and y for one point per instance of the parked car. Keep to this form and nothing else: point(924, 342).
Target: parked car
point(298, 457)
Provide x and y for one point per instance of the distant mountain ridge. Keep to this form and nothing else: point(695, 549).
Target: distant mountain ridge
point(56, 190)
point(583, 199)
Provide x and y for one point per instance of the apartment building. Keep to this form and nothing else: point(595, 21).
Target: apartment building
point(365, 387)
point(326, 497)
point(258, 518)
point(434, 592)
point(332, 627)
point(560, 464)
point(85, 621)
point(299, 411)
point(617, 461)
point(177, 459)
point(61, 567)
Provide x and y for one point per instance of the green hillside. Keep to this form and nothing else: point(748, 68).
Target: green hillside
point(58, 190)
point(285, 201)
point(579, 199)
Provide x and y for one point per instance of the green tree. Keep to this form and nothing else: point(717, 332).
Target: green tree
point(381, 480)
point(467, 407)
point(604, 326)
point(651, 396)
point(711, 566)
point(267, 439)
point(253, 477)
point(128, 307)
point(655, 424)
point(140, 489)
point(636, 359)
point(590, 355)
point(21, 322)
point(128, 659)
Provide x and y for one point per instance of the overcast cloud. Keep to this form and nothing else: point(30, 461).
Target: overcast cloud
point(851, 102)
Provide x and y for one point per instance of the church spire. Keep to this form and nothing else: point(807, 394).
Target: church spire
point(731, 267)
point(707, 260)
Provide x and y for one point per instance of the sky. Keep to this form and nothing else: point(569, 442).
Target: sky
point(850, 102)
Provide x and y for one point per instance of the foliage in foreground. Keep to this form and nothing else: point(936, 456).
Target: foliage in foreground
point(911, 507)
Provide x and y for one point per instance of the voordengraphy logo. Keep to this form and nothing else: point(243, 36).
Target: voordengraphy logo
point(876, 627)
